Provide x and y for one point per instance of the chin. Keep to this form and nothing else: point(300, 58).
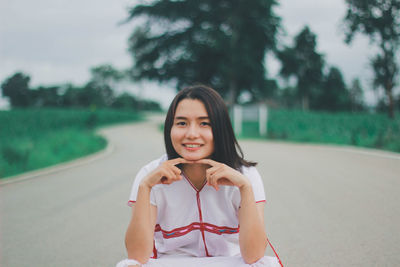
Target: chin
point(192, 157)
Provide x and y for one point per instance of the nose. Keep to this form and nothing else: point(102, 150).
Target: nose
point(192, 131)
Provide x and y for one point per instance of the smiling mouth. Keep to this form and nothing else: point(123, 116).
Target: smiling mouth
point(191, 145)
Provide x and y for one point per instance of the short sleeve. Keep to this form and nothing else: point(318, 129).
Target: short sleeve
point(139, 177)
point(256, 182)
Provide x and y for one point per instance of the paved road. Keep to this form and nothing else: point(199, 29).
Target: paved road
point(326, 206)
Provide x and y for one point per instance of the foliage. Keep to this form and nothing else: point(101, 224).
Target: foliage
point(126, 101)
point(45, 96)
point(380, 21)
point(35, 138)
point(334, 95)
point(303, 62)
point(16, 88)
point(97, 93)
point(356, 96)
point(356, 129)
point(216, 42)
point(104, 78)
point(106, 74)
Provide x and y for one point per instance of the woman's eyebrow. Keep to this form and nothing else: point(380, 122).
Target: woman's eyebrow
point(198, 118)
point(180, 118)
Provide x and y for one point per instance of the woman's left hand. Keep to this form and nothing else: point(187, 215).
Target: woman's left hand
point(221, 174)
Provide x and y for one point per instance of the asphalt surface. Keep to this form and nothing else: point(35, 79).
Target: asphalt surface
point(326, 206)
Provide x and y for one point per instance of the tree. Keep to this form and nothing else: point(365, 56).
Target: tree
point(305, 63)
point(16, 88)
point(71, 96)
point(107, 75)
point(125, 101)
point(216, 42)
point(104, 79)
point(380, 21)
point(96, 95)
point(334, 95)
point(356, 96)
point(398, 103)
point(90, 95)
point(46, 96)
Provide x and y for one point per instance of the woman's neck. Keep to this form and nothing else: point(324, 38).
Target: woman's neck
point(196, 173)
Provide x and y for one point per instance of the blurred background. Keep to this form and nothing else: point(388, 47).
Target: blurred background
point(328, 71)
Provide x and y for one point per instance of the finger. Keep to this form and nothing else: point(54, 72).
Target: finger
point(177, 177)
point(215, 184)
point(163, 180)
point(221, 177)
point(212, 181)
point(224, 181)
point(174, 174)
point(176, 170)
point(167, 176)
point(211, 171)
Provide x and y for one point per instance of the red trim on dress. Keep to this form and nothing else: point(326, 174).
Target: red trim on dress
point(275, 253)
point(199, 208)
point(201, 222)
point(154, 250)
point(177, 232)
point(194, 187)
point(130, 202)
point(261, 201)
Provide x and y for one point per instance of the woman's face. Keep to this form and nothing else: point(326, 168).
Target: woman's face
point(191, 132)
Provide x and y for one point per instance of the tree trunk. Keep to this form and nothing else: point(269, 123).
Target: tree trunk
point(391, 104)
point(304, 102)
point(232, 94)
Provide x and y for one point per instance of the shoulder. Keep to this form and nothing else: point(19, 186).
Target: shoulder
point(256, 181)
point(155, 163)
point(149, 167)
point(143, 172)
point(249, 171)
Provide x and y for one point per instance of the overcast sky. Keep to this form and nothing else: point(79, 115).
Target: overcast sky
point(57, 41)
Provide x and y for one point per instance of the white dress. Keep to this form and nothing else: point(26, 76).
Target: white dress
point(198, 227)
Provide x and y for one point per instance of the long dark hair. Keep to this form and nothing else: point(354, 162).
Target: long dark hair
point(226, 147)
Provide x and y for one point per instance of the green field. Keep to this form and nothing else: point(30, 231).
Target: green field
point(37, 138)
point(356, 129)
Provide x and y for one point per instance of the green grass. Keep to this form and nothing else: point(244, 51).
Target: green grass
point(37, 138)
point(357, 129)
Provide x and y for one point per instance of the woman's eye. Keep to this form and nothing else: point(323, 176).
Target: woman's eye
point(204, 123)
point(181, 123)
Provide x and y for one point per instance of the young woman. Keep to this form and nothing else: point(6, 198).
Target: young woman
point(187, 206)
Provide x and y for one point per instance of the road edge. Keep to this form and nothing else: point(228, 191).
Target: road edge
point(149, 117)
point(59, 167)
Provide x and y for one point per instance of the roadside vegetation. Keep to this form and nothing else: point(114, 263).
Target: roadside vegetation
point(344, 128)
point(36, 138)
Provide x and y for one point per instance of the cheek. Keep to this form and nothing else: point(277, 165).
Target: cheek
point(209, 137)
point(175, 136)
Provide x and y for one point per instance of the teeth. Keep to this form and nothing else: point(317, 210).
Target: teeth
point(192, 145)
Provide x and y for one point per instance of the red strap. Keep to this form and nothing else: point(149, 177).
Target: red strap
point(154, 250)
point(275, 253)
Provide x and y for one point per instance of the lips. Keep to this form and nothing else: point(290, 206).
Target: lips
point(192, 146)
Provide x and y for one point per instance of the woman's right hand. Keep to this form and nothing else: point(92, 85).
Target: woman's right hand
point(166, 173)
